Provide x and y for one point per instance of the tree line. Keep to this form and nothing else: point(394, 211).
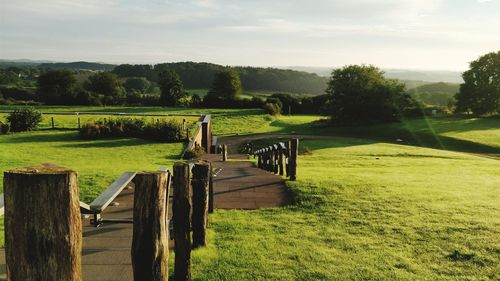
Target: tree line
point(354, 93)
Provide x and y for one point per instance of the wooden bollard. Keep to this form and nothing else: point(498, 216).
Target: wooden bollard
point(211, 191)
point(43, 227)
point(182, 222)
point(150, 234)
point(294, 151)
point(53, 126)
point(224, 152)
point(200, 185)
point(287, 159)
point(280, 160)
point(272, 161)
point(276, 159)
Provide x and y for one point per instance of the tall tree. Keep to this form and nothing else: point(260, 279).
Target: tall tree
point(136, 84)
point(57, 86)
point(480, 92)
point(361, 94)
point(107, 85)
point(171, 88)
point(226, 85)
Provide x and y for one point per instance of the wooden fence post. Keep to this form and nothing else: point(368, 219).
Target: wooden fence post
point(224, 152)
point(52, 118)
point(182, 222)
point(294, 150)
point(79, 124)
point(43, 227)
point(280, 159)
point(276, 158)
point(272, 161)
point(200, 185)
point(211, 191)
point(287, 156)
point(150, 234)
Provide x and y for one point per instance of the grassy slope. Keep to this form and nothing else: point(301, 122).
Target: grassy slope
point(367, 211)
point(98, 163)
point(414, 213)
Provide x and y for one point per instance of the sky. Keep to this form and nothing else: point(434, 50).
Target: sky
point(405, 34)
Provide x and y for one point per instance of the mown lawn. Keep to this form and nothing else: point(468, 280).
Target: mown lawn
point(367, 211)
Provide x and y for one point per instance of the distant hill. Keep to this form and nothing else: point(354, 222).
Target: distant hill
point(439, 94)
point(200, 76)
point(79, 65)
point(401, 74)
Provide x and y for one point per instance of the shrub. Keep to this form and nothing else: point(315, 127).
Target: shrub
point(4, 128)
point(90, 131)
point(24, 119)
point(194, 153)
point(272, 108)
point(168, 131)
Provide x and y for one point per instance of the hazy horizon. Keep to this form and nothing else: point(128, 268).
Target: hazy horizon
point(440, 35)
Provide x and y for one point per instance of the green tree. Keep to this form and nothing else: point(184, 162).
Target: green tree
point(56, 87)
point(171, 88)
point(107, 85)
point(480, 92)
point(226, 85)
point(361, 94)
point(136, 84)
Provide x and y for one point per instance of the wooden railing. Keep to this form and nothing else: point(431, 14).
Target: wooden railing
point(202, 137)
point(49, 183)
point(279, 158)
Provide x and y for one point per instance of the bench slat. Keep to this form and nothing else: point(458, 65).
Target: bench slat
point(101, 202)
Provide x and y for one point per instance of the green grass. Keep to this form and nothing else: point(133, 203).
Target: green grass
point(367, 211)
point(98, 162)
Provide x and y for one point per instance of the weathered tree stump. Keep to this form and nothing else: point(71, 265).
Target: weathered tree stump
point(200, 185)
point(43, 227)
point(294, 151)
point(182, 222)
point(150, 234)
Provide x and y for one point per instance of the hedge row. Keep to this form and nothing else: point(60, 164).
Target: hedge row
point(165, 131)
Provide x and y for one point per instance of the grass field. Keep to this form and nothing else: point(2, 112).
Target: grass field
point(366, 208)
point(367, 211)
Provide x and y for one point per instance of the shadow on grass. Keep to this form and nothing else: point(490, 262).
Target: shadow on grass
point(70, 139)
point(107, 143)
point(416, 132)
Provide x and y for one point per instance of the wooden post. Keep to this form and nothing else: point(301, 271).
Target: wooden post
point(294, 151)
point(211, 191)
point(280, 160)
point(224, 152)
point(182, 222)
point(150, 234)
point(259, 164)
point(276, 158)
point(271, 160)
point(287, 155)
point(52, 118)
point(43, 227)
point(200, 185)
point(79, 125)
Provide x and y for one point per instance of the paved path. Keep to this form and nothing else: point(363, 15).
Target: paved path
point(106, 249)
point(240, 185)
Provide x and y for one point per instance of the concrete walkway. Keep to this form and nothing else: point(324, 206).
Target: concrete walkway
point(240, 185)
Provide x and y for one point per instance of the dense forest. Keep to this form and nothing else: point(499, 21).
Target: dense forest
point(140, 83)
point(200, 76)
